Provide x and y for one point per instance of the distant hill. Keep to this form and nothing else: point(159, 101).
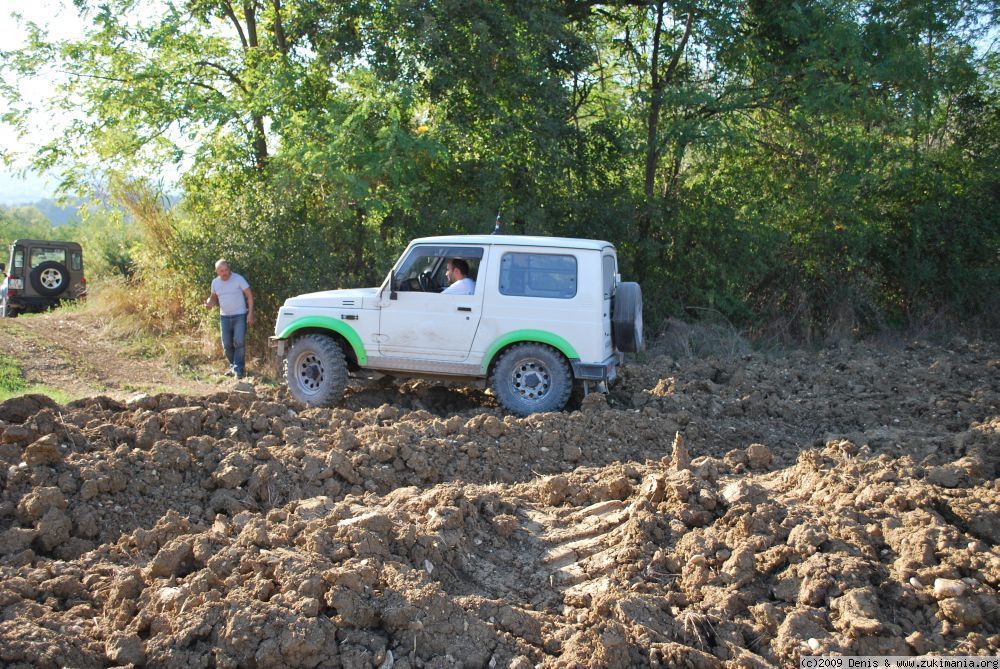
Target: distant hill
point(49, 210)
point(34, 190)
point(19, 191)
point(59, 215)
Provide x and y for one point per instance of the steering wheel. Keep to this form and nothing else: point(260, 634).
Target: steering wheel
point(425, 281)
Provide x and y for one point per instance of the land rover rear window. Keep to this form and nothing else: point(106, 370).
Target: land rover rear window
point(538, 275)
point(42, 254)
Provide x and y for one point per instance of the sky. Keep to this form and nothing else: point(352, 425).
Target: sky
point(61, 20)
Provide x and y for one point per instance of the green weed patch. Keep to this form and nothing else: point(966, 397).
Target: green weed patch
point(12, 383)
point(11, 379)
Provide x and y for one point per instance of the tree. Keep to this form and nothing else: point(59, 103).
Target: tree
point(155, 83)
point(781, 160)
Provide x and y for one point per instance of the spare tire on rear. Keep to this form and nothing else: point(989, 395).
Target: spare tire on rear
point(626, 318)
point(50, 278)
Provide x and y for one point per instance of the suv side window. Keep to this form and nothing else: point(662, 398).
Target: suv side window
point(44, 254)
point(608, 267)
point(431, 263)
point(18, 258)
point(76, 262)
point(538, 275)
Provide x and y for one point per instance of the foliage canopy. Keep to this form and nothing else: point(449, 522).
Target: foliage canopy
point(794, 166)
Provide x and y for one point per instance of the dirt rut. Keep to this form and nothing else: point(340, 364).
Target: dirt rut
point(709, 513)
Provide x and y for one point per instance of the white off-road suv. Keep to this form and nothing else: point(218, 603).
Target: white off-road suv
point(545, 312)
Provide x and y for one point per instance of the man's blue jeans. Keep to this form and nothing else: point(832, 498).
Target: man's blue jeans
point(234, 341)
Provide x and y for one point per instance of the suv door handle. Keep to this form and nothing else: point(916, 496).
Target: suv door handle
point(465, 308)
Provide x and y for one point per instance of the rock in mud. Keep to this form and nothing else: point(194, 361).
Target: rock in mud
point(836, 501)
point(44, 451)
point(125, 648)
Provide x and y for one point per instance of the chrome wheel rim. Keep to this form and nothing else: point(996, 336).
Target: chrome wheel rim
point(531, 379)
point(50, 278)
point(309, 372)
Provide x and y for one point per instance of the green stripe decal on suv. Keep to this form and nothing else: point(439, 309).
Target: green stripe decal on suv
point(327, 323)
point(540, 336)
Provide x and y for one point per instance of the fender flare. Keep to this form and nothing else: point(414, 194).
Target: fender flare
point(535, 336)
point(326, 323)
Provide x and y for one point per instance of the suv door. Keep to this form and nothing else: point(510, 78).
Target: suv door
point(609, 270)
point(422, 323)
point(48, 270)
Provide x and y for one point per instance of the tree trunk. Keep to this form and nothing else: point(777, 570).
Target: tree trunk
point(250, 14)
point(260, 153)
point(280, 41)
point(655, 102)
point(359, 243)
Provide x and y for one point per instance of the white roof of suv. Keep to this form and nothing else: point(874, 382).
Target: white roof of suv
point(517, 240)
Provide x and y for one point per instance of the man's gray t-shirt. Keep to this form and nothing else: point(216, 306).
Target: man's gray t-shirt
point(232, 302)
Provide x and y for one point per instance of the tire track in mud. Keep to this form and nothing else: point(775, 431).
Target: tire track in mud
point(808, 506)
point(70, 351)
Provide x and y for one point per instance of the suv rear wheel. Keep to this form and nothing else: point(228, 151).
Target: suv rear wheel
point(530, 378)
point(316, 370)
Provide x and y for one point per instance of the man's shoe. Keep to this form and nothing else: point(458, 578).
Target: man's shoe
point(230, 372)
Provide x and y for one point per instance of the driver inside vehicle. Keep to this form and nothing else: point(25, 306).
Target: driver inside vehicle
point(458, 276)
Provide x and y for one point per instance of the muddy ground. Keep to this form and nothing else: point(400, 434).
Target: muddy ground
point(81, 353)
point(717, 512)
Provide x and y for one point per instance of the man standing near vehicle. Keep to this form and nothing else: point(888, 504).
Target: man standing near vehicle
point(232, 294)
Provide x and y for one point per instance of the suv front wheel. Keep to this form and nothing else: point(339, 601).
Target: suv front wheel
point(530, 378)
point(316, 370)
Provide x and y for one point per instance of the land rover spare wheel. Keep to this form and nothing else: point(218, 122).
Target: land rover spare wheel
point(50, 278)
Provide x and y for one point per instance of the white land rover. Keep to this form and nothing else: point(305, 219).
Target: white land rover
point(545, 312)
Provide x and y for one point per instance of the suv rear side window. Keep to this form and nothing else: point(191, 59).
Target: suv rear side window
point(538, 275)
point(18, 258)
point(44, 254)
point(76, 262)
point(608, 268)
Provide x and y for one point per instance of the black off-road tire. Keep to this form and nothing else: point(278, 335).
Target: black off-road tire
point(626, 318)
point(532, 378)
point(316, 370)
point(50, 278)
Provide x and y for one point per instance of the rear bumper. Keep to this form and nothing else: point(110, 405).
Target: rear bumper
point(606, 370)
point(35, 303)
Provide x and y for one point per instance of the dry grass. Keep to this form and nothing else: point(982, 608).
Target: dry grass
point(122, 310)
point(707, 338)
